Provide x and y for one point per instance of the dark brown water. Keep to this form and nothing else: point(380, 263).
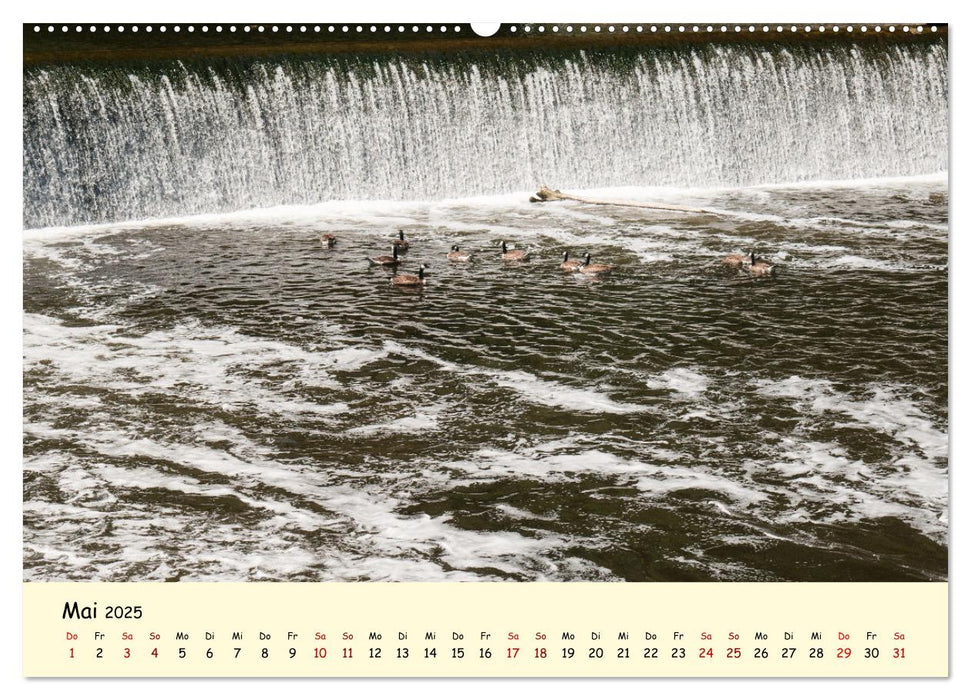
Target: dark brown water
point(221, 398)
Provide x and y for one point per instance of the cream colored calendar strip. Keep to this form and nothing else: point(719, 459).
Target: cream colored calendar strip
point(485, 629)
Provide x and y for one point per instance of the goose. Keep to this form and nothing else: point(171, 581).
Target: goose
point(406, 279)
point(455, 255)
point(569, 265)
point(758, 267)
point(735, 260)
point(589, 269)
point(327, 240)
point(400, 241)
point(513, 255)
point(386, 260)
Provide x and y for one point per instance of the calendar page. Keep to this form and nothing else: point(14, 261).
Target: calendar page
point(545, 349)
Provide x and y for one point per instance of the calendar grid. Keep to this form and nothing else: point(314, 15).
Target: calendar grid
point(348, 630)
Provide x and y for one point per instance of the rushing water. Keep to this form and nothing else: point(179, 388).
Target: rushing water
point(107, 144)
point(222, 398)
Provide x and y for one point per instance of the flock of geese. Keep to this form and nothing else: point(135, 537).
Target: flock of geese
point(757, 267)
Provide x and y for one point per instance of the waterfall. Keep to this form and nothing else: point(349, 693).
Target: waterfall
point(117, 142)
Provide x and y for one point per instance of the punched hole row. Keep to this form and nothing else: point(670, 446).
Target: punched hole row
point(456, 29)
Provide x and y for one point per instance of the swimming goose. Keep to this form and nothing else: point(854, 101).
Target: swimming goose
point(589, 269)
point(327, 240)
point(569, 265)
point(408, 280)
point(386, 260)
point(735, 260)
point(513, 255)
point(455, 255)
point(758, 267)
point(400, 241)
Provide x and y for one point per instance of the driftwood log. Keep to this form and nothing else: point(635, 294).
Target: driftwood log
point(545, 194)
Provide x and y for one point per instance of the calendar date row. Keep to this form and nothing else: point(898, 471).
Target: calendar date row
point(566, 653)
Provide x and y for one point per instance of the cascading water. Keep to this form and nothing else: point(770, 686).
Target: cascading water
point(118, 143)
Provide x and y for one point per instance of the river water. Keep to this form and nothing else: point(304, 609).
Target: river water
point(219, 397)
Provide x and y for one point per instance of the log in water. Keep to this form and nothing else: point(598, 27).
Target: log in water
point(545, 194)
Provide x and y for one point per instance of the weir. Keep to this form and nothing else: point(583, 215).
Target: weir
point(111, 142)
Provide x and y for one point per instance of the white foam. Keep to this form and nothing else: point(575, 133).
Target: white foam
point(564, 462)
point(668, 479)
point(913, 487)
point(191, 358)
point(823, 485)
point(885, 411)
point(533, 389)
point(388, 536)
point(681, 380)
point(856, 262)
point(423, 421)
point(248, 474)
point(378, 543)
point(492, 463)
point(557, 395)
point(817, 249)
point(384, 214)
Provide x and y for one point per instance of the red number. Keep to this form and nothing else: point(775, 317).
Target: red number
point(843, 653)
